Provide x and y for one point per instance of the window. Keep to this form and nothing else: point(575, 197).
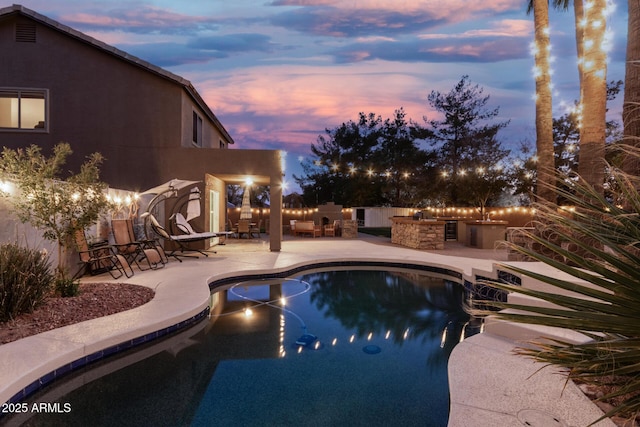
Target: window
point(23, 109)
point(197, 129)
point(222, 144)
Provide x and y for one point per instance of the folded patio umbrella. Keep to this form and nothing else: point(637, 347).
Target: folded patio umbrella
point(193, 206)
point(173, 185)
point(166, 190)
point(245, 209)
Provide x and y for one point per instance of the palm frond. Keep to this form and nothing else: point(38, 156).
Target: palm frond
point(597, 245)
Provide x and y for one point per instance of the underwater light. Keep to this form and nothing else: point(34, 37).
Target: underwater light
point(371, 349)
point(306, 340)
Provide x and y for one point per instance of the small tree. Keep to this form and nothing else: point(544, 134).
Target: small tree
point(57, 205)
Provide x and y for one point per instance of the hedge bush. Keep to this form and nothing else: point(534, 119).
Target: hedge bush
point(25, 280)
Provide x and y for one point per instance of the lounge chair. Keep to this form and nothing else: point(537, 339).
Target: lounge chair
point(147, 243)
point(144, 254)
point(99, 258)
point(181, 239)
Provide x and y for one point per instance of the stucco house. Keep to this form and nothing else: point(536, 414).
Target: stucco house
point(58, 84)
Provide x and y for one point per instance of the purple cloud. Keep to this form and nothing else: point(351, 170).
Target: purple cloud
point(170, 54)
point(452, 50)
point(333, 22)
point(233, 43)
point(143, 19)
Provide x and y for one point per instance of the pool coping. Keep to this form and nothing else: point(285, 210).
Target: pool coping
point(23, 371)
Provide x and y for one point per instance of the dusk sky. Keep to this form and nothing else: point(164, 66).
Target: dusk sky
point(278, 72)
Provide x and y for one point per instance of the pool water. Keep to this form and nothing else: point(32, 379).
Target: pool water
point(346, 347)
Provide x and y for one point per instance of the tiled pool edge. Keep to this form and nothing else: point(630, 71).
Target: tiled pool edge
point(101, 354)
point(66, 368)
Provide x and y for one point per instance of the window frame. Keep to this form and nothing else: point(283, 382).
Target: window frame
point(21, 93)
point(197, 126)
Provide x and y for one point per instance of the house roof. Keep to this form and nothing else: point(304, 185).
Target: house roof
point(17, 9)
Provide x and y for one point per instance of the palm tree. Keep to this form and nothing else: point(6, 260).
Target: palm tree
point(544, 107)
point(594, 95)
point(590, 22)
point(631, 105)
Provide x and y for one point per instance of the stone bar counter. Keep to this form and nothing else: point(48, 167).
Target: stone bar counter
point(417, 234)
point(485, 234)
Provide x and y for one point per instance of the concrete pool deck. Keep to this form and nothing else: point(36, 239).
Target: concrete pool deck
point(490, 386)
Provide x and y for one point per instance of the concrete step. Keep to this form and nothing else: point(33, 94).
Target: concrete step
point(523, 332)
point(522, 299)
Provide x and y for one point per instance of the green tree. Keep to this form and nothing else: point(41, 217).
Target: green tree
point(343, 166)
point(58, 205)
point(401, 162)
point(465, 142)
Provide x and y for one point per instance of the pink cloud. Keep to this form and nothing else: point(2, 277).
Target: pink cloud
point(304, 2)
point(146, 17)
point(458, 9)
point(293, 105)
point(503, 28)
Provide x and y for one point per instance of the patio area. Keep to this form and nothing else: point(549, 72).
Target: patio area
point(489, 385)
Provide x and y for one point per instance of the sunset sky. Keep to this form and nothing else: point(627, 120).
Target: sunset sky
point(278, 72)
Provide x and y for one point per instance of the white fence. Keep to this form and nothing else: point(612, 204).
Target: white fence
point(378, 216)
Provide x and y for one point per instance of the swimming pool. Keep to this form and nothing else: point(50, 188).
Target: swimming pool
point(330, 347)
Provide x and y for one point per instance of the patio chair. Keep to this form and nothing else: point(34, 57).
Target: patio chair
point(244, 227)
point(143, 254)
point(256, 229)
point(99, 258)
point(233, 229)
point(147, 243)
point(332, 229)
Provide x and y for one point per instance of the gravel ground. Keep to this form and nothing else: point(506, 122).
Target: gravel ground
point(95, 300)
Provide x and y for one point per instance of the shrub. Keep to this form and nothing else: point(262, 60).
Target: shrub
point(25, 280)
point(67, 287)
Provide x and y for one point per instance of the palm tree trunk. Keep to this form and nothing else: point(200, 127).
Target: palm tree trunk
point(631, 105)
point(594, 94)
point(544, 112)
point(578, 14)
